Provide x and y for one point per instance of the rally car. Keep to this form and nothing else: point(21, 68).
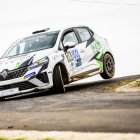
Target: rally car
point(53, 58)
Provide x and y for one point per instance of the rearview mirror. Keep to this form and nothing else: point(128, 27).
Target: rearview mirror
point(68, 45)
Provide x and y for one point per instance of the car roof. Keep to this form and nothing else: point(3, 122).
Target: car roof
point(57, 28)
point(51, 29)
point(64, 27)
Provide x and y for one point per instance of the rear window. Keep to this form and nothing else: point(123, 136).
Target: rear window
point(83, 33)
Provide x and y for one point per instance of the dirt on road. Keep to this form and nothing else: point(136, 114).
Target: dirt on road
point(88, 107)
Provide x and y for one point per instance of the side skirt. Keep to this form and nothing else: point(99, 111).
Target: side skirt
point(85, 75)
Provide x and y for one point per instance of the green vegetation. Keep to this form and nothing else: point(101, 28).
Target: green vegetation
point(136, 84)
point(25, 139)
point(112, 87)
point(19, 139)
point(3, 139)
point(49, 139)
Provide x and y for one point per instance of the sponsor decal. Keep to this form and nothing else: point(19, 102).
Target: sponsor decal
point(74, 56)
point(72, 65)
point(29, 75)
point(63, 56)
point(69, 56)
point(42, 59)
point(96, 46)
point(79, 63)
point(55, 56)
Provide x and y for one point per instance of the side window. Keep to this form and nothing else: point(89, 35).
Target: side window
point(83, 33)
point(70, 37)
point(91, 32)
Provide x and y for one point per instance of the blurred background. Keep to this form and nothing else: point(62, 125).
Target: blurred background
point(116, 20)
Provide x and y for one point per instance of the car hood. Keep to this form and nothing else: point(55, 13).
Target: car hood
point(23, 60)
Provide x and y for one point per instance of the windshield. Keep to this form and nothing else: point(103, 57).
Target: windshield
point(32, 44)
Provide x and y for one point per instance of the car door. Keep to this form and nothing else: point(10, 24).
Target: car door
point(72, 55)
point(86, 49)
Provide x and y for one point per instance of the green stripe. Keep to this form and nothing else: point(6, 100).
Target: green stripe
point(101, 53)
point(100, 64)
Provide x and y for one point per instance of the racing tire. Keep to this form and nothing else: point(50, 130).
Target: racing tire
point(108, 67)
point(58, 84)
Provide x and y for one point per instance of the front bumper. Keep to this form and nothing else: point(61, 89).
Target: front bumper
point(35, 83)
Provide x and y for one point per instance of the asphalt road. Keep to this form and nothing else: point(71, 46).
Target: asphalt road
point(84, 107)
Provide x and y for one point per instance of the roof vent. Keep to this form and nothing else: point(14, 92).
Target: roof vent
point(40, 31)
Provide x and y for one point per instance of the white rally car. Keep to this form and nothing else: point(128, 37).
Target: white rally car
point(52, 58)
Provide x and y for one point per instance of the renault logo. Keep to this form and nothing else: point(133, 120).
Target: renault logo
point(4, 73)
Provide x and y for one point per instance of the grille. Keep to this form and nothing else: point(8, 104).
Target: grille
point(22, 86)
point(14, 74)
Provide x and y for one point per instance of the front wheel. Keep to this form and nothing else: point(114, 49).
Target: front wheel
point(2, 98)
point(58, 84)
point(108, 67)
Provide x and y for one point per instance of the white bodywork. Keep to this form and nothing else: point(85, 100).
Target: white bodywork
point(77, 60)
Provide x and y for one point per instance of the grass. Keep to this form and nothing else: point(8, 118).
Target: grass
point(127, 84)
point(25, 139)
point(12, 139)
point(19, 139)
point(137, 83)
point(112, 87)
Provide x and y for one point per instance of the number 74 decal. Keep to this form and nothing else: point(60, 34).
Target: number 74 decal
point(74, 56)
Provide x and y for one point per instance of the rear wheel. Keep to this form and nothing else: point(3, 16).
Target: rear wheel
point(108, 67)
point(58, 84)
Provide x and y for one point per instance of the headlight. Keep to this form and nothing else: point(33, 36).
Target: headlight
point(39, 63)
